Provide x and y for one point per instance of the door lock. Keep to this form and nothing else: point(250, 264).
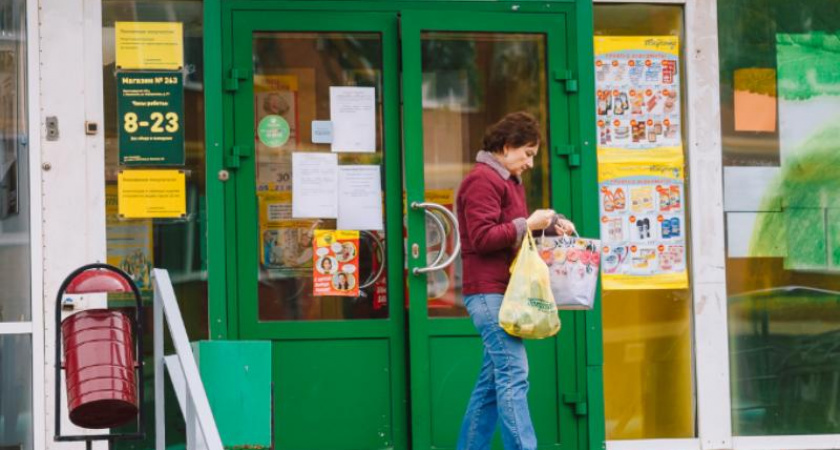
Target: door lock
point(415, 251)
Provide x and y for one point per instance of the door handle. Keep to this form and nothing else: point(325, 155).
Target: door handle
point(457, 236)
point(442, 229)
point(380, 253)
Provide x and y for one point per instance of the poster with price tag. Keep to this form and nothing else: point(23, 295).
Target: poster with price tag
point(150, 109)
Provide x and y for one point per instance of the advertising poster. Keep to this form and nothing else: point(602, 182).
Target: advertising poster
point(150, 110)
point(276, 110)
point(285, 243)
point(642, 208)
point(380, 287)
point(638, 94)
point(129, 242)
point(275, 175)
point(640, 162)
point(336, 263)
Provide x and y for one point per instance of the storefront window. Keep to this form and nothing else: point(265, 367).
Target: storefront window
point(14, 179)
point(175, 244)
point(780, 104)
point(15, 260)
point(648, 371)
point(16, 392)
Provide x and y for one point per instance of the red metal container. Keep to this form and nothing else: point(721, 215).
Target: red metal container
point(99, 363)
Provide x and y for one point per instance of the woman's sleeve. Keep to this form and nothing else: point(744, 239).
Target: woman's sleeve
point(483, 213)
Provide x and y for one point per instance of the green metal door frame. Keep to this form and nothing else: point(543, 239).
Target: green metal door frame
point(222, 207)
point(243, 319)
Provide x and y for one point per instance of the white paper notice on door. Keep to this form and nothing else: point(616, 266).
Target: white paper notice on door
point(353, 117)
point(359, 198)
point(314, 185)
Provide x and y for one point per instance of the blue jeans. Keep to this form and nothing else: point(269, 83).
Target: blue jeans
point(502, 388)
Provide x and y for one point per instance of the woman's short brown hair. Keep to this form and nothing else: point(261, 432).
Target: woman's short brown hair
point(516, 129)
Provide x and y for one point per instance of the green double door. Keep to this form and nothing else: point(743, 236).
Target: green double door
point(367, 123)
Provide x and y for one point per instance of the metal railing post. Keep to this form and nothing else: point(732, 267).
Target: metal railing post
point(201, 426)
point(160, 419)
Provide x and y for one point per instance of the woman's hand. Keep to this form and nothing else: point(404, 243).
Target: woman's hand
point(540, 219)
point(564, 227)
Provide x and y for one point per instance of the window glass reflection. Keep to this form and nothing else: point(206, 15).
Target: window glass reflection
point(471, 80)
point(295, 81)
point(14, 166)
point(16, 392)
point(779, 110)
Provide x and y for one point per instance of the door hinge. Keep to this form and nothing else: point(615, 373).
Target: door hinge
point(578, 401)
point(234, 77)
point(568, 150)
point(237, 153)
point(566, 76)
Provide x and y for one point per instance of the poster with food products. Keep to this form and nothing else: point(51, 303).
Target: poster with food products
point(642, 208)
point(638, 94)
point(335, 263)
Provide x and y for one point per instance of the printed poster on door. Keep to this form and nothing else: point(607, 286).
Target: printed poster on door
point(642, 209)
point(336, 263)
point(285, 243)
point(276, 112)
point(638, 95)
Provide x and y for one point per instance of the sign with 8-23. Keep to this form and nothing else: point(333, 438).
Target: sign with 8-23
point(150, 109)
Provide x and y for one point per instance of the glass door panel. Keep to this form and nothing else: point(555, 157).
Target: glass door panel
point(315, 182)
point(295, 79)
point(461, 73)
point(469, 81)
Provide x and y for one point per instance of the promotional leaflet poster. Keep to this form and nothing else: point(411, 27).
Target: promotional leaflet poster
point(129, 242)
point(285, 243)
point(336, 263)
point(642, 208)
point(640, 162)
point(638, 94)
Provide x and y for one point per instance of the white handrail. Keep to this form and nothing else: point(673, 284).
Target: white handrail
point(196, 397)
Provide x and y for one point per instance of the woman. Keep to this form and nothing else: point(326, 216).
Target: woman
point(342, 284)
point(492, 219)
point(326, 265)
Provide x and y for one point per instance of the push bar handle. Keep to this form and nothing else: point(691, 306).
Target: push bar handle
point(428, 207)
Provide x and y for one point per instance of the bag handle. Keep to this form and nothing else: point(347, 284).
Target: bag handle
point(563, 237)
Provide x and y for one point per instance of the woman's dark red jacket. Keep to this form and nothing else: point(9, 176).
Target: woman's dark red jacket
point(491, 220)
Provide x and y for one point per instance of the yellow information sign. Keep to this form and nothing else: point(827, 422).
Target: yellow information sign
point(150, 45)
point(152, 194)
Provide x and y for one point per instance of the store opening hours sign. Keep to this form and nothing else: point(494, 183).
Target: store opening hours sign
point(150, 109)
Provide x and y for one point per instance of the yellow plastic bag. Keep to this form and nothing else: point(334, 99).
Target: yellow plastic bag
point(528, 310)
